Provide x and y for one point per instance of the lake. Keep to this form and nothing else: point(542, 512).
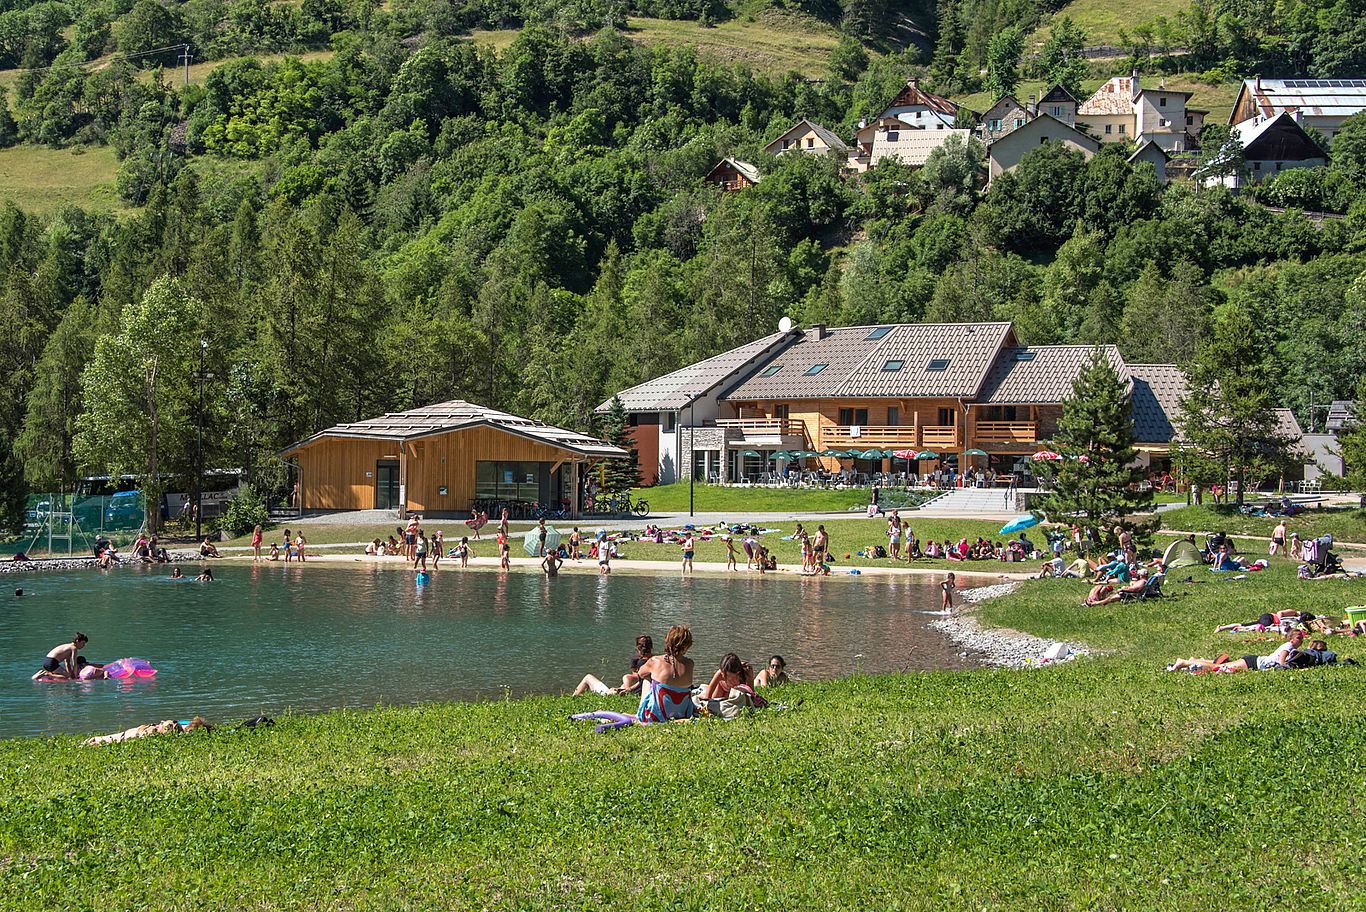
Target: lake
point(271, 638)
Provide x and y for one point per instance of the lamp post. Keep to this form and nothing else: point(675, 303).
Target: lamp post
point(692, 457)
point(199, 448)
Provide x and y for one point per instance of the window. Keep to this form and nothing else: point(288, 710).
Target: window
point(814, 369)
point(1059, 111)
point(1256, 166)
point(1107, 129)
point(1043, 140)
point(947, 417)
point(892, 364)
point(787, 144)
point(810, 143)
point(669, 422)
point(893, 136)
point(1190, 120)
point(893, 416)
point(1162, 101)
point(852, 416)
point(937, 364)
point(1163, 122)
point(995, 125)
point(1121, 129)
point(770, 370)
point(782, 410)
point(877, 333)
point(1019, 122)
point(1025, 355)
point(1000, 413)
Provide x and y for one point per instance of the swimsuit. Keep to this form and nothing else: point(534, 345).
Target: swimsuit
point(662, 703)
point(50, 664)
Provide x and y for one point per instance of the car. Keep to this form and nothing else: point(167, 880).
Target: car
point(124, 510)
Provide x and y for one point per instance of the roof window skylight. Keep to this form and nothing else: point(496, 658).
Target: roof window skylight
point(770, 370)
point(815, 369)
point(892, 365)
point(937, 364)
point(1025, 355)
point(878, 333)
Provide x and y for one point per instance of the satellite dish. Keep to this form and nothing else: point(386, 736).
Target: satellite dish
point(785, 324)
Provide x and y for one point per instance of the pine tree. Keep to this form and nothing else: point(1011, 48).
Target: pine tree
point(1097, 479)
point(1227, 413)
point(619, 475)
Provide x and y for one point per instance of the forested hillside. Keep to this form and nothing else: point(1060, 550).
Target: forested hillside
point(407, 215)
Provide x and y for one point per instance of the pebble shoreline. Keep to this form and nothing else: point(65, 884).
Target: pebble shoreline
point(997, 647)
point(81, 563)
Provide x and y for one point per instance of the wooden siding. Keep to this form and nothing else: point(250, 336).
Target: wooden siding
point(334, 468)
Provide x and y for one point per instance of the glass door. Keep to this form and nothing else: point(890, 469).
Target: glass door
point(386, 485)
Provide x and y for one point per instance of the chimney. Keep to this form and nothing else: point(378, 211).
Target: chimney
point(1133, 82)
point(816, 332)
point(1259, 84)
point(1031, 108)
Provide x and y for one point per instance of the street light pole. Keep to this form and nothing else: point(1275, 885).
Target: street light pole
point(199, 449)
point(692, 457)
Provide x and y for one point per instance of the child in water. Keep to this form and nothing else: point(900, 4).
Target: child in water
point(503, 559)
point(463, 551)
point(949, 587)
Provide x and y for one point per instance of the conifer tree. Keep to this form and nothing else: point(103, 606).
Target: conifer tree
point(619, 475)
point(1097, 479)
point(1228, 412)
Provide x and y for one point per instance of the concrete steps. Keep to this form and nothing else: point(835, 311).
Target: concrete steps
point(972, 501)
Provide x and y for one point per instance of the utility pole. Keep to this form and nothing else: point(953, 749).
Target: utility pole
point(692, 457)
point(185, 60)
point(199, 450)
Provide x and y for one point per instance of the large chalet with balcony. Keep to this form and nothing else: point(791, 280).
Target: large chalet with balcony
point(967, 392)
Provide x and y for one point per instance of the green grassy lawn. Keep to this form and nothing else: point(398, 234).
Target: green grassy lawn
point(673, 498)
point(1343, 523)
point(39, 179)
point(773, 40)
point(1101, 784)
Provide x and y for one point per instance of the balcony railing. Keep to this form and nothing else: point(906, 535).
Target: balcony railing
point(763, 427)
point(874, 436)
point(939, 436)
point(1006, 431)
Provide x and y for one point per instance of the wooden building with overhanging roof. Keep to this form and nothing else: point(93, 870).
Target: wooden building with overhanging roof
point(443, 459)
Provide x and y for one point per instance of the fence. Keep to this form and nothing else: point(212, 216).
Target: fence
point(68, 524)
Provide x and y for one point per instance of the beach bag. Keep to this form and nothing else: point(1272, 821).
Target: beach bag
point(879, 551)
point(730, 706)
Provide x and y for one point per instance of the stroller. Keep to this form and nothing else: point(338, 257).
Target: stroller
point(1319, 558)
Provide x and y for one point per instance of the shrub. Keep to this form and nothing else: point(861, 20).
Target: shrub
point(244, 511)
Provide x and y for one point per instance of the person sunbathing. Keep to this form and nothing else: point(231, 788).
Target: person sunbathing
point(730, 675)
point(667, 697)
point(1265, 622)
point(631, 681)
point(1104, 593)
point(1225, 665)
point(167, 727)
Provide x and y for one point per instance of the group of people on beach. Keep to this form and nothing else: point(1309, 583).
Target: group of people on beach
point(665, 681)
point(290, 548)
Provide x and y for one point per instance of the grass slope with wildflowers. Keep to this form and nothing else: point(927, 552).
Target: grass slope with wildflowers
point(1100, 784)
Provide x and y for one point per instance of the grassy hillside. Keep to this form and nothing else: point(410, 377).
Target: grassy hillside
point(772, 40)
point(1102, 20)
point(40, 179)
point(1102, 784)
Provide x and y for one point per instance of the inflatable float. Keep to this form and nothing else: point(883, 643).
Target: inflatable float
point(129, 668)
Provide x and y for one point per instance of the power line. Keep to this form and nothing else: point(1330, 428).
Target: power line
point(184, 48)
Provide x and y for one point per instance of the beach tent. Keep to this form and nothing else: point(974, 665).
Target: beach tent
point(531, 541)
point(1181, 554)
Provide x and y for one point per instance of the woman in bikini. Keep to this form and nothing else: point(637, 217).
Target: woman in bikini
point(667, 695)
point(730, 675)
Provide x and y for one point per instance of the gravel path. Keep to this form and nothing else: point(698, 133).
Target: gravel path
point(998, 646)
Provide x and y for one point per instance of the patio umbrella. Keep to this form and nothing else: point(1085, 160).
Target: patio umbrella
point(805, 454)
point(785, 454)
point(870, 454)
point(927, 454)
point(830, 453)
point(1019, 523)
point(975, 452)
point(903, 454)
point(750, 453)
point(1045, 454)
point(531, 541)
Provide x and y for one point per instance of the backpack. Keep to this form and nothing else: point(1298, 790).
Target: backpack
point(879, 551)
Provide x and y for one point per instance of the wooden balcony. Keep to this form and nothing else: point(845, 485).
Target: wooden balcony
point(941, 437)
point(931, 437)
point(1006, 432)
point(763, 427)
point(869, 436)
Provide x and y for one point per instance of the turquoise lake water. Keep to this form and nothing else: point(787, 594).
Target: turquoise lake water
point(272, 638)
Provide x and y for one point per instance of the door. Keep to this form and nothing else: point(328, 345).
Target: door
point(386, 485)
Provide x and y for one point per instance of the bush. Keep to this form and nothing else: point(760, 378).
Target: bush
point(244, 511)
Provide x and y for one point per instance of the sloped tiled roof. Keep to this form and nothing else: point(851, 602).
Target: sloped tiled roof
point(456, 415)
point(1005, 103)
point(830, 139)
point(1288, 426)
point(676, 390)
point(912, 94)
point(1157, 392)
point(1114, 97)
point(744, 168)
point(1277, 138)
point(1041, 373)
point(855, 363)
point(1146, 149)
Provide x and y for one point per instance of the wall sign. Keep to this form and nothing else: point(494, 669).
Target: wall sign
point(369, 474)
point(443, 490)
